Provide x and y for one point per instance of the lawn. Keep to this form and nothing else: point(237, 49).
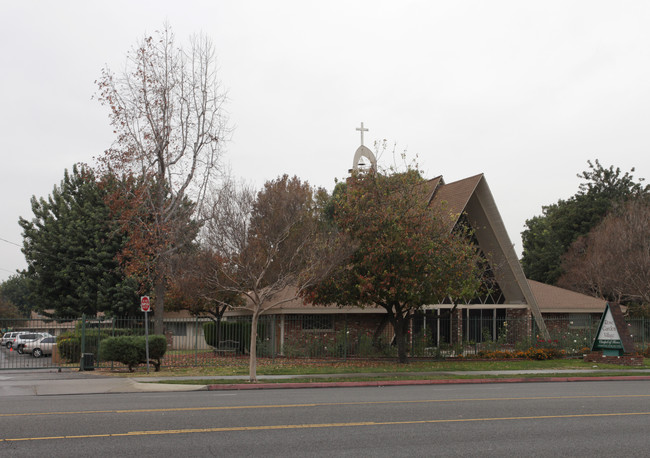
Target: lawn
point(239, 366)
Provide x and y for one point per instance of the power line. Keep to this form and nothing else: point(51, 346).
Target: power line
point(10, 243)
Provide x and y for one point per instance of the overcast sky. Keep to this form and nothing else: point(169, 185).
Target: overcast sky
point(525, 92)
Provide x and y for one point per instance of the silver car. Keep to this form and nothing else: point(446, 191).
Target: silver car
point(8, 338)
point(24, 337)
point(40, 347)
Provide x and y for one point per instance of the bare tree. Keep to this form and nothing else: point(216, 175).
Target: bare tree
point(166, 109)
point(613, 260)
point(274, 245)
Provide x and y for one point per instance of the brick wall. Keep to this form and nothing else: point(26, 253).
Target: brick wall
point(345, 328)
point(519, 325)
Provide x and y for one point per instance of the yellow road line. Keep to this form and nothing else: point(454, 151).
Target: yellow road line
point(320, 404)
point(321, 425)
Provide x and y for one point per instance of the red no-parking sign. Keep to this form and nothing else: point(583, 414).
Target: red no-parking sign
point(145, 304)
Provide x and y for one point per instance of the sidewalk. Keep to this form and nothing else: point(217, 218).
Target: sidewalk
point(52, 382)
point(516, 377)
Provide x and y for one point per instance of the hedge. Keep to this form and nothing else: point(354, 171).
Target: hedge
point(131, 350)
point(69, 342)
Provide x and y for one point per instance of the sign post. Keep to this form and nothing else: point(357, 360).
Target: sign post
point(145, 306)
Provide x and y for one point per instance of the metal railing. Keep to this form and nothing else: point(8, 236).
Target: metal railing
point(201, 341)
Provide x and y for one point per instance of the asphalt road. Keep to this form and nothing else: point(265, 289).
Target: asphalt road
point(530, 419)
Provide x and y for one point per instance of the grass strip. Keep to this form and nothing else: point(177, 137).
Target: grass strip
point(395, 378)
point(313, 367)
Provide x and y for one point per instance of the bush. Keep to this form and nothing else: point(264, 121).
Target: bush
point(543, 353)
point(69, 342)
point(239, 331)
point(536, 353)
point(69, 347)
point(131, 350)
point(121, 349)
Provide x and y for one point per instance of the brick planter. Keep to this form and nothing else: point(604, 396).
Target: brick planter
point(625, 360)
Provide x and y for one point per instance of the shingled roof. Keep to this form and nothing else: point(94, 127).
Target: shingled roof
point(552, 299)
point(453, 197)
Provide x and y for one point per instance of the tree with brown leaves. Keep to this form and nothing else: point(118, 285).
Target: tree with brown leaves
point(166, 111)
point(613, 260)
point(191, 287)
point(274, 245)
point(406, 255)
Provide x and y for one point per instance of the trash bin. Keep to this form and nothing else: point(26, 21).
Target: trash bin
point(87, 362)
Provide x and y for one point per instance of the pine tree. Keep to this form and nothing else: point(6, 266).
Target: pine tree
point(70, 246)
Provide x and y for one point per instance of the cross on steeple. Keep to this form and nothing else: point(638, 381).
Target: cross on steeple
point(362, 130)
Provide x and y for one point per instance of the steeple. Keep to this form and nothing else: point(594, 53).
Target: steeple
point(362, 151)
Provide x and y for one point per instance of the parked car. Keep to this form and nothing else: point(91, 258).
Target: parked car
point(8, 339)
point(23, 337)
point(40, 347)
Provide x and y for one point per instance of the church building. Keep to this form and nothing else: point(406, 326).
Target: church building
point(528, 307)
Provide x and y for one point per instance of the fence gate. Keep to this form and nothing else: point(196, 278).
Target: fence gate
point(29, 343)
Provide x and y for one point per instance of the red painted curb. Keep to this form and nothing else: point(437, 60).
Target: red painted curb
point(279, 386)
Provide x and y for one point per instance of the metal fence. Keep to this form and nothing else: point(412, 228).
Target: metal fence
point(200, 341)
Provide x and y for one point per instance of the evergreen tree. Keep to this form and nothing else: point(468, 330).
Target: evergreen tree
point(549, 236)
point(15, 291)
point(70, 246)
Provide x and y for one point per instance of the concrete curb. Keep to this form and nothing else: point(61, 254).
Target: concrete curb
point(279, 386)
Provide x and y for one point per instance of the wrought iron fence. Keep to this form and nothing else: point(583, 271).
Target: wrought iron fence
point(201, 341)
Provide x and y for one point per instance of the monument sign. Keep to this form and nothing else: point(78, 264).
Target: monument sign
point(613, 337)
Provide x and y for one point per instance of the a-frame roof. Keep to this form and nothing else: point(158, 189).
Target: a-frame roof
point(472, 196)
point(453, 198)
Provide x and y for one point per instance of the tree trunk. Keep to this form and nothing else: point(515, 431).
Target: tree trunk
point(252, 361)
point(400, 336)
point(159, 305)
point(400, 323)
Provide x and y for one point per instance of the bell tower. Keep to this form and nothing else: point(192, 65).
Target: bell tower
point(361, 152)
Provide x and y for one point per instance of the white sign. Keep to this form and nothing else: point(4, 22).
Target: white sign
point(145, 304)
point(608, 330)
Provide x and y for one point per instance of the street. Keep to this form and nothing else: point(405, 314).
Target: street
point(528, 419)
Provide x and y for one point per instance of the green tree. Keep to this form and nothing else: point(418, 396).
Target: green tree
point(548, 237)
point(70, 246)
point(15, 290)
point(8, 312)
point(406, 255)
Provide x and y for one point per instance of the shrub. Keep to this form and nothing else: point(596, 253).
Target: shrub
point(365, 347)
point(497, 354)
point(69, 347)
point(131, 350)
point(293, 348)
point(536, 353)
point(157, 347)
point(543, 353)
point(69, 342)
point(239, 331)
point(121, 349)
